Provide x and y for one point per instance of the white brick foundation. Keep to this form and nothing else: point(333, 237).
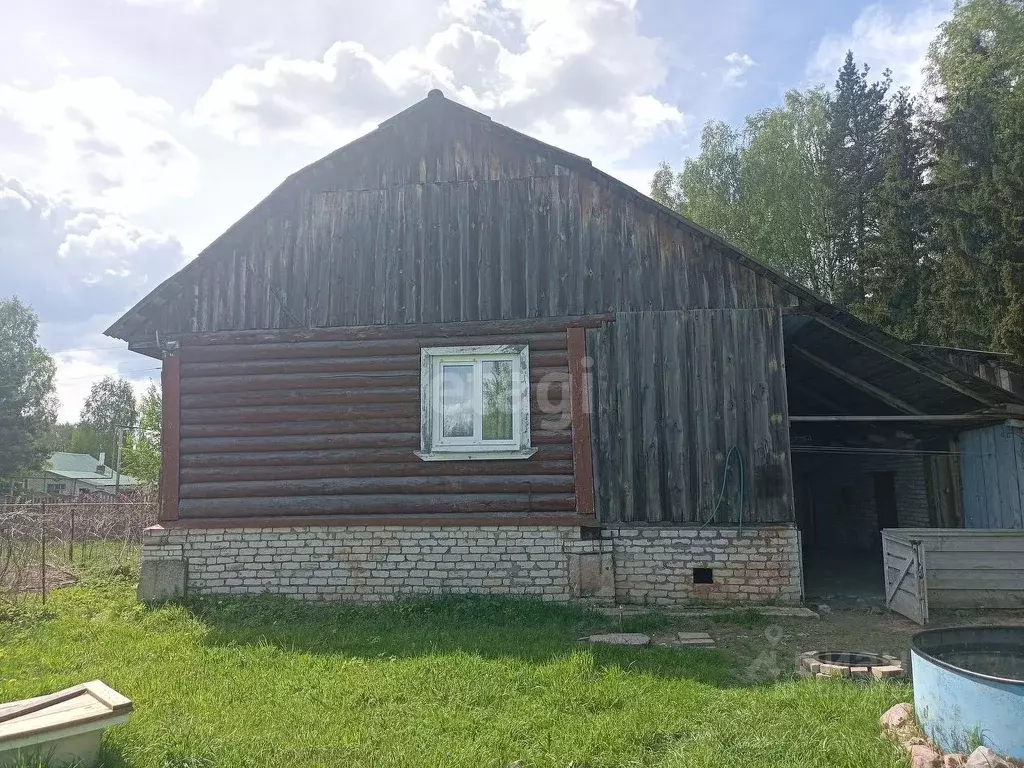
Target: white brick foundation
point(654, 566)
point(372, 564)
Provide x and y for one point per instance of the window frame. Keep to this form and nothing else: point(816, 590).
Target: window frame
point(433, 445)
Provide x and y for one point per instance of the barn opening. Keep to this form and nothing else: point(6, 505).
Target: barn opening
point(874, 446)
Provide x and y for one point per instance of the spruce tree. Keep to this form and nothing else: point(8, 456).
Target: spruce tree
point(893, 255)
point(854, 153)
point(975, 291)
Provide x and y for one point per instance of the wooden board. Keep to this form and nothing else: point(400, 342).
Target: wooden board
point(905, 573)
point(673, 393)
point(968, 567)
point(92, 702)
point(488, 235)
point(170, 437)
point(992, 461)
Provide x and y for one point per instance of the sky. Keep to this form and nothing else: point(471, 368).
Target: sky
point(134, 132)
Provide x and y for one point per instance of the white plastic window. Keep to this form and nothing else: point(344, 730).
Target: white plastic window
point(475, 403)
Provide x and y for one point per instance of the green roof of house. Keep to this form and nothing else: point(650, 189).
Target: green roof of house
point(82, 467)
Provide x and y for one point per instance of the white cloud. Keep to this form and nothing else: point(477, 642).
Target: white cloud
point(883, 41)
point(95, 139)
point(73, 262)
point(577, 74)
point(92, 358)
point(738, 63)
point(79, 268)
point(187, 5)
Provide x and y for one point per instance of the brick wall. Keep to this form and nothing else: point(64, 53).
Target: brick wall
point(377, 563)
point(370, 564)
point(654, 566)
point(843, 487)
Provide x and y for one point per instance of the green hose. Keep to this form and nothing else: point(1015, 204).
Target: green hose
point(725, 479)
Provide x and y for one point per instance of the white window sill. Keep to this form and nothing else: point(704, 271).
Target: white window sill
point(471, 455)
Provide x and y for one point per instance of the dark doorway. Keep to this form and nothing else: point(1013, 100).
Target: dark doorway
point(885, 500)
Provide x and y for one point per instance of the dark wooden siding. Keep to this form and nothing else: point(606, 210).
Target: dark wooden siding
point(673, 392)
point(993, 368)
point(536, 247)
point(327, 425)
point(447, 221)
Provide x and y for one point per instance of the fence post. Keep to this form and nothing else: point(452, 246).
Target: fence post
point(43, 543)
point(71, 538)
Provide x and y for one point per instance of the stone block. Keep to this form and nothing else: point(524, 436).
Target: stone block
point(896, 717)
point(983, 757)
point(163, 579)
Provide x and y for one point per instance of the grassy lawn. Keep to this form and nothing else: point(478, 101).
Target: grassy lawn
point(460, 682)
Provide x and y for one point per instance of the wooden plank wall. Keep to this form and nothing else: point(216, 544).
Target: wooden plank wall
point(992, 368)
point(967, 567)
point(451, 228)
point(673, 392)
point(992, 462)
point(327, 425)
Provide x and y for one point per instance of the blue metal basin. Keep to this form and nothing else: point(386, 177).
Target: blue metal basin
point(969, 687)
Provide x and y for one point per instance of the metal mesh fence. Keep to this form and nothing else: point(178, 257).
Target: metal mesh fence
point(45, 544)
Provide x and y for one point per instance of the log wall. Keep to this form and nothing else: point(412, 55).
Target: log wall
point(328, 426)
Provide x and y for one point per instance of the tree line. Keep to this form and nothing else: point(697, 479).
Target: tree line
point(906, 209)
point(28, 409)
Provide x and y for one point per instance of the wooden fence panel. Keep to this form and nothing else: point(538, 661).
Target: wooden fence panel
point(970, 567)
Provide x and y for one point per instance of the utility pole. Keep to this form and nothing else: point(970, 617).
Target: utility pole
point(120, 430)
point(117, 460)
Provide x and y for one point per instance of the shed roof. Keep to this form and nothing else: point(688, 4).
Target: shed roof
point(927, 378)
point(82, 467)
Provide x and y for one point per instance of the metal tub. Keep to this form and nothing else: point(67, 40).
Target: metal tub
point(969, 687)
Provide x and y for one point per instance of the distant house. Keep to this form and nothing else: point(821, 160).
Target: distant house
point(75, 474)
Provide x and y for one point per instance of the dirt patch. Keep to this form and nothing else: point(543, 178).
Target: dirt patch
point(29, 579)
point(768, 647)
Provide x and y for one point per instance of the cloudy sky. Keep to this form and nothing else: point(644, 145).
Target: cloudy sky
point(133, 132)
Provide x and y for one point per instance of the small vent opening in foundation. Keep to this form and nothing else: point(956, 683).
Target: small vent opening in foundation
point(703, 576)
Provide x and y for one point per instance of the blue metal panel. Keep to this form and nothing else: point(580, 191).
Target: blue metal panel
point(966, 688)
point(991, 466)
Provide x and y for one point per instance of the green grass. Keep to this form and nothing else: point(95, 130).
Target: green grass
point(459, 682)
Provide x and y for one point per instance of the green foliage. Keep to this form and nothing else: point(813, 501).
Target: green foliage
point(764, 189)
point(785, 190)
point(140, 453)
point(854, 158)
point(87, 439)
point(28, 404)
point(908, 212)
point(76, 438)
point(110, 405)
point(976, 65)
point(894, 251)
point(709, 186)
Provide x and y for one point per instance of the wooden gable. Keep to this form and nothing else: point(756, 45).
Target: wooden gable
point(441, 215)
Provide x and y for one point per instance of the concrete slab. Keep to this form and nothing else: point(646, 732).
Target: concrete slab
point(162, 579)
point(695, 638)
point(619, 638)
